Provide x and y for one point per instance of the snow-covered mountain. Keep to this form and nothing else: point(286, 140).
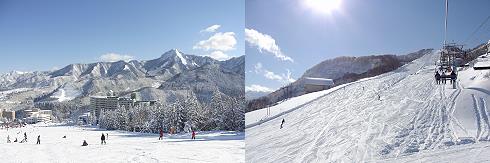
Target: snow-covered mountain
point(340, 66)
point(150, 77)
point(342, 70)
point(172, 63)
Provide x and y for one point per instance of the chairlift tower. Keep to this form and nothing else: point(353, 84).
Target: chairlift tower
point(449, 53)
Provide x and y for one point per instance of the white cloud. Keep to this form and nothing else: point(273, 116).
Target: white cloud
point(219, 55)
point(282, 78)
point(257, 88)
point(273, 76)
point(113, 57)
point(219, 41)
point(265, 42)
point(212, 28)
point(258, 67)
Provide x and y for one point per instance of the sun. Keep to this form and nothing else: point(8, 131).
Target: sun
point(323, 6)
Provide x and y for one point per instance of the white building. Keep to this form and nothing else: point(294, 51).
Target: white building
point(317, 84)
point(126, 102)
point(37, 115)
point(100, 104)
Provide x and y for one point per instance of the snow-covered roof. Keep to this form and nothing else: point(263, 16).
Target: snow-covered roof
point(482, 64)
point(319, 81)
point(100, 96)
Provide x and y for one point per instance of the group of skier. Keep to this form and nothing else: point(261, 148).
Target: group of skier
point(24, 140)
point(103, 138)
point(441, 77)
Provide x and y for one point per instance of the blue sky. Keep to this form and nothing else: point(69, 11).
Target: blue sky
point(42, 35)
point(288, 36)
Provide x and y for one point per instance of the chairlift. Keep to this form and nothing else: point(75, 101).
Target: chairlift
point(447, 68)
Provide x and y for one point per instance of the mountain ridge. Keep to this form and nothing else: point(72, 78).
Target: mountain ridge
point(78, 81)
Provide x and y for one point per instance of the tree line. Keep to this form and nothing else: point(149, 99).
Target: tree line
point(222, 113)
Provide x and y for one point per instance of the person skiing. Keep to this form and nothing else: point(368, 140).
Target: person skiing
point(84, 143)
point(25, 137)
point(453, 77)
point(8, 138)
point(161, 134)
point(107, 136)
point(282, 122)
point(38, 139)
point(193, 134)
point(438, 77)
point(443, 79)
point(102, 139)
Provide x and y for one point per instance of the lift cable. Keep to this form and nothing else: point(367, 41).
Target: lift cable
point(445, 24)
point(477, 29)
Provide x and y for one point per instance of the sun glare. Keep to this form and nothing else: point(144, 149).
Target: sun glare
point(323, 6)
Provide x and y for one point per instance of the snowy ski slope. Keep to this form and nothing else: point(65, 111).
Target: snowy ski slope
point(219, 146)
point(260, 116)
point(390, 116)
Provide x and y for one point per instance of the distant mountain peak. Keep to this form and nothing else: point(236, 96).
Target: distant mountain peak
point(18, 72)
point(176, 55)
point(171, 52)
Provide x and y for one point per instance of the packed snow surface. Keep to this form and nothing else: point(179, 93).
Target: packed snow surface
point(260, 116)
point(218, 146)
point(401, 116)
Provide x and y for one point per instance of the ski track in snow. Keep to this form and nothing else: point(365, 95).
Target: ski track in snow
point(351, 124)
point(218, 146)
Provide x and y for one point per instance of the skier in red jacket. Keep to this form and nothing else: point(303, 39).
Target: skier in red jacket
point(193, 134)
point(161, 134)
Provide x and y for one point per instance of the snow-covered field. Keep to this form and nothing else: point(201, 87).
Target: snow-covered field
point(121, 146)
point(260, 116)
point(395, 117)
